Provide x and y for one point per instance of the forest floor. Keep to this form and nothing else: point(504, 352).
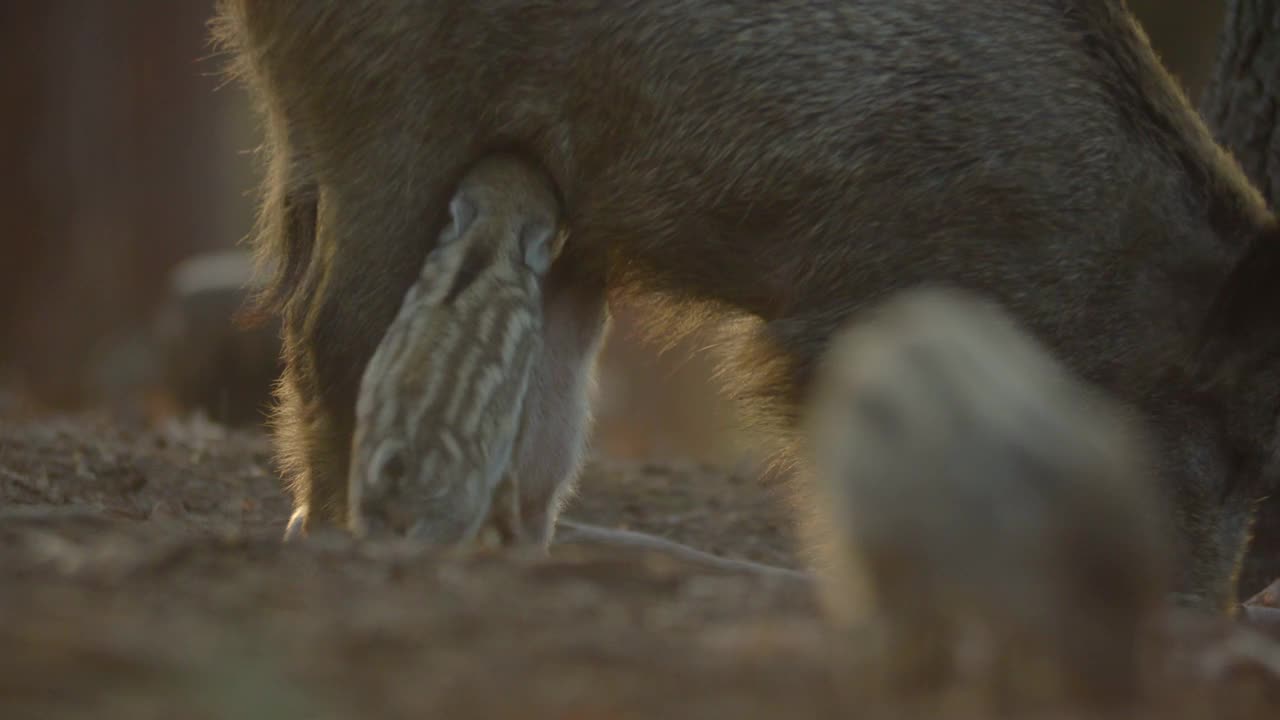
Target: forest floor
point(142, 576)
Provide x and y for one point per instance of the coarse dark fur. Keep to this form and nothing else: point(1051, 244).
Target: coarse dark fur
point(786, 163)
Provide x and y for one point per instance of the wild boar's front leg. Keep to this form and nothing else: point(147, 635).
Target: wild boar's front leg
point(369, 245)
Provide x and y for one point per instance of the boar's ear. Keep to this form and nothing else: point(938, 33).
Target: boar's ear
point(1243, 322)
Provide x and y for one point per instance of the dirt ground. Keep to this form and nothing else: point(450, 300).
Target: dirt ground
point(141, 576)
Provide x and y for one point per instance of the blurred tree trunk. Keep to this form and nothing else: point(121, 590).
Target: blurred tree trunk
point(1242, 105)
point(116, 167)
point(1184, 34)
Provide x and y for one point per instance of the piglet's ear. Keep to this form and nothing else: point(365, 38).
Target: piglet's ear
point(539, 245)
point(1244, 319)
point(462, 212)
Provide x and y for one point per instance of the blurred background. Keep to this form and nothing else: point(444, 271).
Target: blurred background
point(127, 155)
